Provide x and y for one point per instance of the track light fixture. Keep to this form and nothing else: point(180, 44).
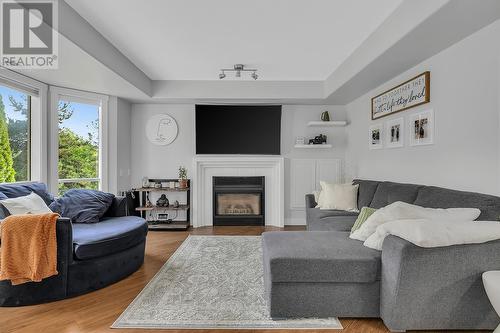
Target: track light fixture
point(237, 69)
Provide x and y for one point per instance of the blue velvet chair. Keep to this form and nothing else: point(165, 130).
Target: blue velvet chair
point(89, 256)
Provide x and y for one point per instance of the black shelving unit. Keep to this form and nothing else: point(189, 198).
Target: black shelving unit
point(146, 211)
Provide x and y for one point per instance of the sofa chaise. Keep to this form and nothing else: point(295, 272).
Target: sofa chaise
point(89, 256)
point(321, 272)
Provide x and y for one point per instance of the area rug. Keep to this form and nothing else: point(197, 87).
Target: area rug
point(210, 282)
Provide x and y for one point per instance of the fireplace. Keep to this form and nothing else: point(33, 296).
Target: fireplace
point(238, 201)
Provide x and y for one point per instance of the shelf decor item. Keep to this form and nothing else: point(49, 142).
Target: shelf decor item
point(182, 177)
point(325, 116)
point(409, 94)
point(318, 140)
point(162, 201)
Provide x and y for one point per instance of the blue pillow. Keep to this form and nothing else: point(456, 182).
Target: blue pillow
point(83, 206)
point(20, 190)
point(4, 212)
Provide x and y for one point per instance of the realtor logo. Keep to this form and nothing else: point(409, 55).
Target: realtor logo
point(29, 34)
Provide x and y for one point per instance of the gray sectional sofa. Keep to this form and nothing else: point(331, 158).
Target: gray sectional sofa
point(323, 273)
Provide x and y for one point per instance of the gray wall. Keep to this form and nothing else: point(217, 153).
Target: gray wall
point(123, 144)
point(465, 99)
point(163, 161)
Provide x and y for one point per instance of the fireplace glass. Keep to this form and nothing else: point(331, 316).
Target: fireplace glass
point(238, 204)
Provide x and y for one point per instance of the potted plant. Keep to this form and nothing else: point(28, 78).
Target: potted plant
point(183, 177)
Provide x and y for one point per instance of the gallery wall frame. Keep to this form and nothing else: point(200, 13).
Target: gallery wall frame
point(395, 133)
point(421, 128)
point(409, 94)
point(376, 136)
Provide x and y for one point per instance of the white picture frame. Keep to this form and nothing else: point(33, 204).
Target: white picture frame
point(376, 136)
point(421, 128)
point(395, 133)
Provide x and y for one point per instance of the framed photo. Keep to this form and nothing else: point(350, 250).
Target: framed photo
point(422, 128)
point(409, 94)
point(395, 129)
point(376, 136)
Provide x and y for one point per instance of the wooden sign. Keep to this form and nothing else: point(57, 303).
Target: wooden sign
point(409, 94)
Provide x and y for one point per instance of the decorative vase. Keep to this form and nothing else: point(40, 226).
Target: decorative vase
point(183, 183)
point(325, 116)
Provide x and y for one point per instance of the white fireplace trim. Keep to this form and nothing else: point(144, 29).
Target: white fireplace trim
point(205, 167)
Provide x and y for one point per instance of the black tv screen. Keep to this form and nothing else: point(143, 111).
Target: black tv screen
point(238, 129)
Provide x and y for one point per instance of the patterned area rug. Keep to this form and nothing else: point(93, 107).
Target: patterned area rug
point(210, 282)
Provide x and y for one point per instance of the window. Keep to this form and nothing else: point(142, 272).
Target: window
point(79, 145)
point(15, 135)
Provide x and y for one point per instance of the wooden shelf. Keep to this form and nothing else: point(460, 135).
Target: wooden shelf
point(163, 189)
point(174, 225)
point(338, 123)
point(326, 146)
point(181, 207)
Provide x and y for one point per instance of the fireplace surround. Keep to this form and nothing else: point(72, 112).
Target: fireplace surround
point(238, 200)
point(207, 166)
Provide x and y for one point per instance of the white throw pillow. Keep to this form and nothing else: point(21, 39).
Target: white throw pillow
point(338, 196)
point(29, 204)
point(404, 211)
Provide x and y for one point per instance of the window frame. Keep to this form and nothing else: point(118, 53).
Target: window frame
point(71, 95)
point(37, 91)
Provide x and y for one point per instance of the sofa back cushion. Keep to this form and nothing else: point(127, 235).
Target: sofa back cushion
point(16, 190)
point(438, 197)
point(388, 192)
point(366, 191)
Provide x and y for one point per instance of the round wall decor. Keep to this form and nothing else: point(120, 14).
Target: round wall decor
point(161, 129)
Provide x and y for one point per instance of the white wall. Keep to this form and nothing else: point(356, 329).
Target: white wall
point(465, 98)
point(163, 161)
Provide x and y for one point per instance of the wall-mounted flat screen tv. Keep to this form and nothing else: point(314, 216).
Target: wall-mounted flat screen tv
point(238, 129)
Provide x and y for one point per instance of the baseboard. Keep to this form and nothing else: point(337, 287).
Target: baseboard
point(295, 221)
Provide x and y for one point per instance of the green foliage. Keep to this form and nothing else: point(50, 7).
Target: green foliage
point(19, 144)
point(19, 138)
point(78, 158)
point(7, 172)
point(64, 111)
point(182, 172)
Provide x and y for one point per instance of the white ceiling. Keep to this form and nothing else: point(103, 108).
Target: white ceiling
point(296, 40)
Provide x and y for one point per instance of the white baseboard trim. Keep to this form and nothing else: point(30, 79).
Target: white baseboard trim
point(295, 221)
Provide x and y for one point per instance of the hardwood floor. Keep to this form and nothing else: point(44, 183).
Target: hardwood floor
point(96, 311)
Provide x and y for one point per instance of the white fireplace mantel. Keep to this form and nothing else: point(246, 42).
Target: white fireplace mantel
point(208, 166)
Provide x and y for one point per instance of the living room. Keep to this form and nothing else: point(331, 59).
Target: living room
point(250, 165)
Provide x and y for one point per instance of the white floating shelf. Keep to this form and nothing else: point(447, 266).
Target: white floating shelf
point(327, 123)
point(313, 146)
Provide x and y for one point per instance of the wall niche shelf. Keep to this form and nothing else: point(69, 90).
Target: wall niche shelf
point(338, 123)
point(326, 146)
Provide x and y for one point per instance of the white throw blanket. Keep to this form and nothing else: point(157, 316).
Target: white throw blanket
point(405, 211)
point(434, 233)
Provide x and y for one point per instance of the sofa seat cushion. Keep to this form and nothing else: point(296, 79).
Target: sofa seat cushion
point(319, 256)
point(111, 235)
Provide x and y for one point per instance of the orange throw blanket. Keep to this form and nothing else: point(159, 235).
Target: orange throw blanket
point(28, 251)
